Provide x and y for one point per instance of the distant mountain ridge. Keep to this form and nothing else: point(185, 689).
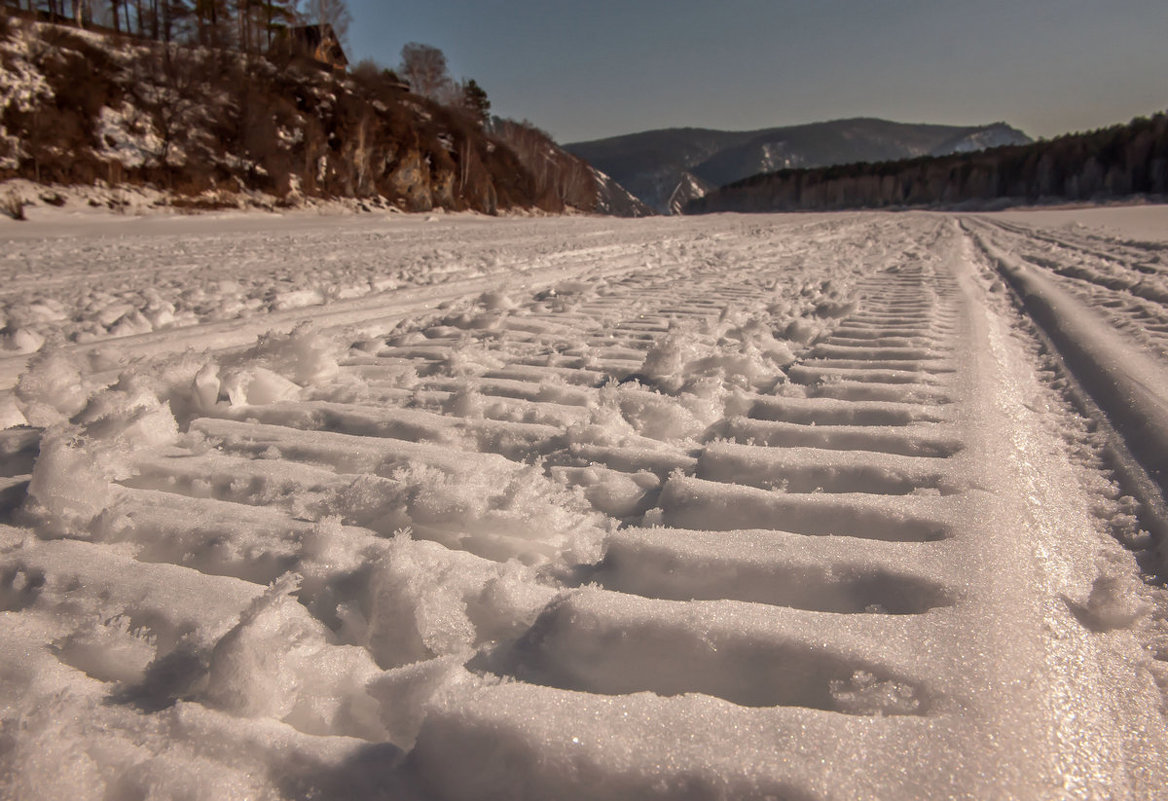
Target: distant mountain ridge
point(669, 167)
point(1118, 162)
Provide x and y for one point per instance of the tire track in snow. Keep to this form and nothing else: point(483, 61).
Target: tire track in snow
point(735, 536)
point(741, 604)
point(716, 528)
point(1128, 284)
point(1128, 385)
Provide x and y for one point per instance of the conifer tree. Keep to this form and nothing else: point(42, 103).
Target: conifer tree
point(474, 100)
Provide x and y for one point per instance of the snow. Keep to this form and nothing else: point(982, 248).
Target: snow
point(21, 86)
point(128, 137)
point(382, 506)
point(1131, 385)
point(1147, 223)
point(20, 82)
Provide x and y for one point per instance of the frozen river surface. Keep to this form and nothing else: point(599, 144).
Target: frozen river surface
point(788, 507)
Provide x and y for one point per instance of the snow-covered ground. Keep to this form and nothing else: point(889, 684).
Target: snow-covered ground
point(1139, 223)
point(802, 507)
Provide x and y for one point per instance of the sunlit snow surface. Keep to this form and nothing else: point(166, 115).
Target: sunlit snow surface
point(453, 507)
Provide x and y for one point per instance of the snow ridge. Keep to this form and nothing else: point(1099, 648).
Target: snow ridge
point(1128, 384)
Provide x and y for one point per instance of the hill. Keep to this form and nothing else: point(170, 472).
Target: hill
point(1117, 162)
point(215, 127)
point(562, 178)
point(668, 167)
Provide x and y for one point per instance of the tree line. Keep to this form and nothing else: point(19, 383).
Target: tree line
point(248, 25)
point(1120, 161)
point(253, 26)
point(423, 68)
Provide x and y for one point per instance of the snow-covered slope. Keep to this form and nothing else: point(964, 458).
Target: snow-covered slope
point(999, 134)
point(719, 507)
point(690, 187)
point(614, 199)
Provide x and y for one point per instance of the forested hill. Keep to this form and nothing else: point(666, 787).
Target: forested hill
point(222, 125)
point(1117, 162)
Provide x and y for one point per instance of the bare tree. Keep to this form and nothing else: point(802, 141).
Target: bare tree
point(279, 14)
point(331, 12)
point(176, 103)
point(424, 67)
point(211, 17)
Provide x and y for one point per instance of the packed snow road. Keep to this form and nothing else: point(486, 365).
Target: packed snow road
point(805, 507)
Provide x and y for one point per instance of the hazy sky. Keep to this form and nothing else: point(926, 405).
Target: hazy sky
point(596, 68)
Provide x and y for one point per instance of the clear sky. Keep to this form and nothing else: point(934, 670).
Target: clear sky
point(585, 70)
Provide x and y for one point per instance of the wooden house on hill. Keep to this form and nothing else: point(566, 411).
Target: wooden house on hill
point(320, 43)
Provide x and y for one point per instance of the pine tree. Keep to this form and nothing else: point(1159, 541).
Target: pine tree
point(474, 100)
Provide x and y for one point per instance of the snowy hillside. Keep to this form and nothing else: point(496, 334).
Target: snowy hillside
point(212, 128)
point(455, 507)
point(563, 181)
point(690, 187)
point(614, 199)
point(997, 135)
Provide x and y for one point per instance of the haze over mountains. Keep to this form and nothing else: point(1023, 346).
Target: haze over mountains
point(668, 168)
